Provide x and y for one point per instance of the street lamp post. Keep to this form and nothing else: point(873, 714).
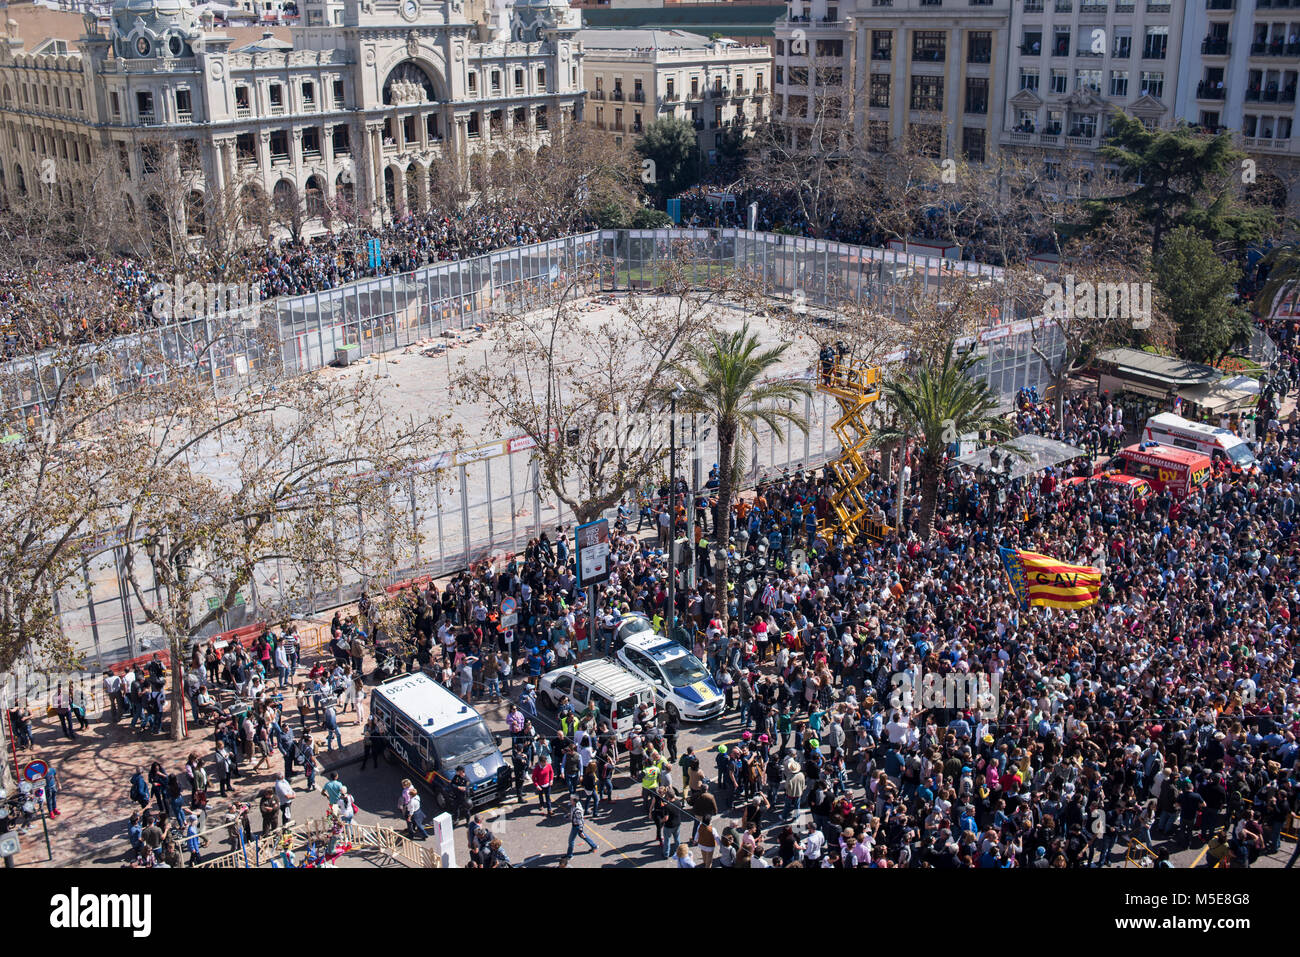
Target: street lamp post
point(670, 622)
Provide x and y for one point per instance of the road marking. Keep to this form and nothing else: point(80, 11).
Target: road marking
point(591, 828)
point(1197, 862)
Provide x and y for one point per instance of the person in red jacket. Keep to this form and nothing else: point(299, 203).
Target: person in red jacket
point(543, 778)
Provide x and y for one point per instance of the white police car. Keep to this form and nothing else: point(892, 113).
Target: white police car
point(681, 683)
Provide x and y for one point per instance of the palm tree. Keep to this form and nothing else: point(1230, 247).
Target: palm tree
point(721, 378)
point(937, 402)
point(1283, 264)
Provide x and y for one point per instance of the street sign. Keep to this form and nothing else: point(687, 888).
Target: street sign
point(593, 549)
point(509, 617)
point(35, 771)
point(508, 637)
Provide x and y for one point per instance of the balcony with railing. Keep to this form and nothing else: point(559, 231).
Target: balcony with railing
point(1158, 7)
point(1125, 6)
point(1020, 136)
point(698, 123)
point(1267, 143)
point(1082, 140)
point(596, 94)
point(638, 96)
point(1211, 91)
point(1033, 6)
point(1219, 4)
point(1215, 46)
point(617, 96)
point(1270, 94)
point(1064, 6)
point(1090, 8)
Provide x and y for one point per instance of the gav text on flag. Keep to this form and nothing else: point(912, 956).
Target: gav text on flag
point(1039, 580)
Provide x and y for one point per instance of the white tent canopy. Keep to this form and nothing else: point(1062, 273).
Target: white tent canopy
point(1037, 452)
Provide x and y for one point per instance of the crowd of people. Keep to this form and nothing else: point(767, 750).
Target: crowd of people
point(1164, 713)
point(97, 298)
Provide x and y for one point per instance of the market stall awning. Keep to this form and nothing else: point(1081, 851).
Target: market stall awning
point(1037, 452)
point(1219, 397)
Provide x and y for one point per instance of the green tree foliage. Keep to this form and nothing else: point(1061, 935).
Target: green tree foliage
point(1180, 177)
point(669, 144)
point(724, 378)
point(935, 403)
point(1198, 289)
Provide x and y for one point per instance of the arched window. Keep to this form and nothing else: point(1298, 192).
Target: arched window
point(195, 222)
point(315, 196)
point(343, 187)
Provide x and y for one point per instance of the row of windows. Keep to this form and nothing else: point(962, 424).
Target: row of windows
point(37, 95)
point(1152, 81)
point(721, 84)
point(928, 46)
point(73, 149)
point(495, 79)
point(1155, 44)
point(927, 93)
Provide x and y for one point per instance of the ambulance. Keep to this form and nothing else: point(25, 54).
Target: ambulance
point(1169, 429)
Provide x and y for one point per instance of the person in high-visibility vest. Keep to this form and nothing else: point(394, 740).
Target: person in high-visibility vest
point(650, 779)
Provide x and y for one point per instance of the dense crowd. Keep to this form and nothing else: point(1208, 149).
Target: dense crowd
point(103, 297)
point(1165, 712)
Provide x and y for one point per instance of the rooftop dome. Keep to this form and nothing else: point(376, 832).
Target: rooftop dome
point(154, 28)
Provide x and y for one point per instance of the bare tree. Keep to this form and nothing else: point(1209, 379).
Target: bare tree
point(591, 395)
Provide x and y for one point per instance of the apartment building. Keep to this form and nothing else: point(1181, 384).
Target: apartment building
point(634, 77)
point(1073, 62)
point(1246, 66)
point(927, 72)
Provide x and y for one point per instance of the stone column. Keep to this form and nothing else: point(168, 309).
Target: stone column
point(375, 145)
point(264, 156)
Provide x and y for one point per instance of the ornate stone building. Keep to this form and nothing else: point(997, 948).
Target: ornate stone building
point(362, 104)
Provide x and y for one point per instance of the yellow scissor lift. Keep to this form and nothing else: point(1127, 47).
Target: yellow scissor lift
point(854, 386)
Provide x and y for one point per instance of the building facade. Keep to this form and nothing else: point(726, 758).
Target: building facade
point(362, 108)
point(1073, 62)
point(634, 77)
point(915, 71)
point(1247, 66)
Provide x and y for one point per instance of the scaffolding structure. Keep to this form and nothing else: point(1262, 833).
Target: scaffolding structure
point(855, 386)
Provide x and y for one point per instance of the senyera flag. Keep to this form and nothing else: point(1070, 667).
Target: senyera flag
point(1039, 580)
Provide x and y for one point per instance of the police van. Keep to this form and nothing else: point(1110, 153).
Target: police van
point(433, 732)
point(615, 691)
